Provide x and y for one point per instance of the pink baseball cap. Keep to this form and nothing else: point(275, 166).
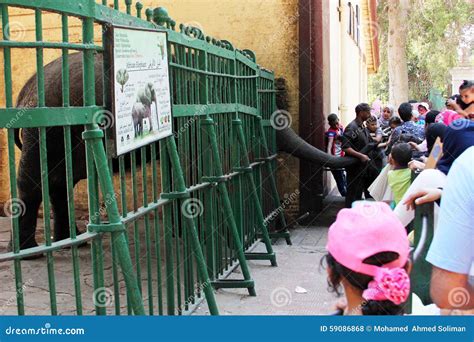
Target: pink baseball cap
point(365, 230)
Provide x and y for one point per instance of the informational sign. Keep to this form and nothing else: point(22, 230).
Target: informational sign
point(141, 100)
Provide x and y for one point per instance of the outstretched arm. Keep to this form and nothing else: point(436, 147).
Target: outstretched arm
point(450, 290)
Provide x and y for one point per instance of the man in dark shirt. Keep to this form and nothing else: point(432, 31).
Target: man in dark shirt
point(355, 139)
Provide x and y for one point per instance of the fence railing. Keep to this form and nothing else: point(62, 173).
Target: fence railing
point(207, 194)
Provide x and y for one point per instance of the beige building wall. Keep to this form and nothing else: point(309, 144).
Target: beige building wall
point(348, 58)
point(268, 27)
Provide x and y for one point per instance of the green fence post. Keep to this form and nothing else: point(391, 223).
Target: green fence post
point(93, 138)
point(181, 192)
point(267, 159)
point(247, 169)
point(228, 213)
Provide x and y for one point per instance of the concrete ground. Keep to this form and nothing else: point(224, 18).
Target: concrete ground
point(296, 287)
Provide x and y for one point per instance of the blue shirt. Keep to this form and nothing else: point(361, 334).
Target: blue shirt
point(409, 127)
point(452, 248)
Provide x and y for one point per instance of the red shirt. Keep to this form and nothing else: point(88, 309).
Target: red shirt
point(335, 133)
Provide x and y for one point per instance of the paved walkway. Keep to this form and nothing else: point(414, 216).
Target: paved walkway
point(296, 287)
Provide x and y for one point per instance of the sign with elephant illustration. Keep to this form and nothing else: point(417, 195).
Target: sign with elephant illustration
point(141, 100)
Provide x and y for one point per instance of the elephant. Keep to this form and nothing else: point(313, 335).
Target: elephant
point(29, 171)
point(142, 108)
point(138, 113)
point(290, 142)
point(27, 139)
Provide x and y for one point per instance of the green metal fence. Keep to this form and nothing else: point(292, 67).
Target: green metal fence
point(184, 233)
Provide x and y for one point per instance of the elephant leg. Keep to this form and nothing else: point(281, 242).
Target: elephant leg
point(59, 203)
point(150, 121)
point(29, 191)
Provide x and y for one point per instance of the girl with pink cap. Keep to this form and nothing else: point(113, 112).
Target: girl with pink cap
point(368, 254)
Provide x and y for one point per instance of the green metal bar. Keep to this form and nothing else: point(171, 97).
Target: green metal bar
point(100, 158)
point(69, 168)
point(139, 7)
point(201, 265)
point(147, 231)
point(256, 201)
point(26, 117)
point(271, 175)
point(49, 45)
point(123, 201)
point(128, 5)
point(136, 228)
point(157, 228)
point(80, 8)
point(227, 207)
point(11, 162)
point(168, 229)
point(44, 164)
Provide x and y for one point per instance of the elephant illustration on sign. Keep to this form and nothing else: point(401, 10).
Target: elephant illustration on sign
point(142, 108)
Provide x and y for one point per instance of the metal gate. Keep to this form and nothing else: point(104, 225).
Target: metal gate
point(163, 247)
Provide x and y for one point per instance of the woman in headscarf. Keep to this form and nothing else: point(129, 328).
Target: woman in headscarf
point(384, 122)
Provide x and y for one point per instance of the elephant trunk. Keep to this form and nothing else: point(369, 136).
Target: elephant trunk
point(290, 142)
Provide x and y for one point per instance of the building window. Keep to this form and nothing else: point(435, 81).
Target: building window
point(357, 37)
point(354, 22)
point(350, 18)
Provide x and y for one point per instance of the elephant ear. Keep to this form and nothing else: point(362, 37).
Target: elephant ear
point(144, 96)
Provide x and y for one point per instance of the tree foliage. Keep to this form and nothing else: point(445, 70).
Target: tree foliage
point(437, 29)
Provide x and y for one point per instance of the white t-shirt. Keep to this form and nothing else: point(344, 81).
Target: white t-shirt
point(452, 248)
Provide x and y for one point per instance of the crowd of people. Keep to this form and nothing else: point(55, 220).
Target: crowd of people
point(407, 158)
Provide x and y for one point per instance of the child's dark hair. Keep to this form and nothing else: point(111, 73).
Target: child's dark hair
point(362, 107)
point(402, 154)
point(405, 111)
point(395, 120)
point(457, 98)
point(332, 118)
point(431, 116)
point(372, 118)
point(361, 281)
point(466, 84)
